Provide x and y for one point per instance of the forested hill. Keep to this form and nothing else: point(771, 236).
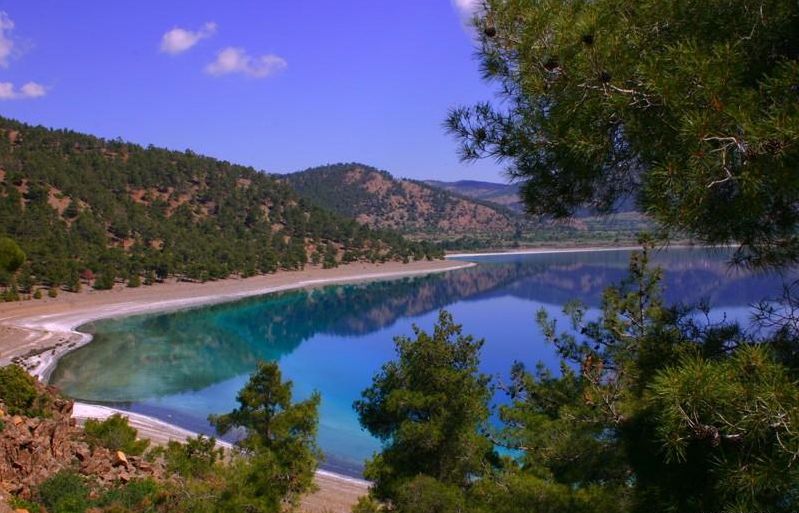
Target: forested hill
point(460, 215)
point(80, 205)
point(376, 198)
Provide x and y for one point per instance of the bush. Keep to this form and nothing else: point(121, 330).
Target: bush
point(52, 292)
point(16, 503)
point(105, 279)
point(37, 294)
point(366, 504)
point(11, 256)
point(423, 493)
point(195, 458)
point(65, 492)
point(18, 392)
point(130, 495)
point(134, 281)
point(114, 433)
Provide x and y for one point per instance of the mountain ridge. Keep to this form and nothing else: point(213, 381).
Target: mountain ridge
point(378, 199)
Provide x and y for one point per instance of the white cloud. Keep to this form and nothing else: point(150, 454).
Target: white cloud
point(179, 40)
point(6, 44)
point(28, 90)
point(237, 60)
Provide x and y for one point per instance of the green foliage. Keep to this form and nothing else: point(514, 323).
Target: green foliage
point(653, 409)
point(700, 418)
point(196, 457)
point(689, 106)
point(427, 407)
point(105, 279)
point(116, 434)
point(64, 492)
point(18, 503)
point(423, 493)
point(129, 496)
point(742, 406)
point(280, 443)
point(19, 394)
point(69, 492)
point(366, 504)
point(134, 281)
point(11, 255)
point(37, 294)
point(157, 213)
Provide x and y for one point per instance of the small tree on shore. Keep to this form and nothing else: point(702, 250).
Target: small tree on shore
point(280, 454)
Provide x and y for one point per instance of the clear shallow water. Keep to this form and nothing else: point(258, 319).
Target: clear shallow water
point(182, 366)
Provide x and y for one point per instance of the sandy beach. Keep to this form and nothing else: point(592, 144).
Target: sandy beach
point(36, 333)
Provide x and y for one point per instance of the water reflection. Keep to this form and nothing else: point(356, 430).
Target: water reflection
point(184, 365)
point(157, 355)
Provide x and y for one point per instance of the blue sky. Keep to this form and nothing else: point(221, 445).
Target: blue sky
point(277, 84)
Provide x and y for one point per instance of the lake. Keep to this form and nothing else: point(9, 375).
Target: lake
point(182, 366)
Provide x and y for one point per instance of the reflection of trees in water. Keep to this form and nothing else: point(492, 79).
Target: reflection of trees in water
point(165, 354)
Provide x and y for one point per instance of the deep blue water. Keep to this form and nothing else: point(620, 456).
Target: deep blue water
point(181, 366)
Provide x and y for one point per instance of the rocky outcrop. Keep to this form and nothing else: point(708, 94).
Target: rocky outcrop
point(33, 449)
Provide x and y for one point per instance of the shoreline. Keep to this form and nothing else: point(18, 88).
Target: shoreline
point(50, 326)
point(575, 249)
point(547, 251)
point(48, 331)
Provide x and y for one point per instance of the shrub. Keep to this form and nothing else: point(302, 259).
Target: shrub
point(114, 433)
point(52, 292)
point(18, 392)
point(65, 492)
point(11, 256)
point(195, 458)
point(130, 495)
point(105, 279)
point(37, 294)
point(16, 503)
point(134, 281)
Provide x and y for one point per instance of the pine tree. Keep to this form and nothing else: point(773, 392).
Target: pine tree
point(691, 107)
point(280, 442)
point(427, 408)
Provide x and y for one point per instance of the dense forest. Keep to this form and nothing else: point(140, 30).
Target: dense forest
point(455, 216)
point(93, 210)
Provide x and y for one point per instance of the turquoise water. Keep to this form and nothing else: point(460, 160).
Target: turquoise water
point(182, 366)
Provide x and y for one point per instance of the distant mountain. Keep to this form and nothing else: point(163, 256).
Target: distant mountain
point(77, 203)
point(380, 200)
point(506, 195)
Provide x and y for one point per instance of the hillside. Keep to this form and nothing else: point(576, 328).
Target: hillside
point(82, 207)
point(377, 199)
point(460, 215)
point(503, 194)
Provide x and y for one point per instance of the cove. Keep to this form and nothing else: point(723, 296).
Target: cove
point(181, 366)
